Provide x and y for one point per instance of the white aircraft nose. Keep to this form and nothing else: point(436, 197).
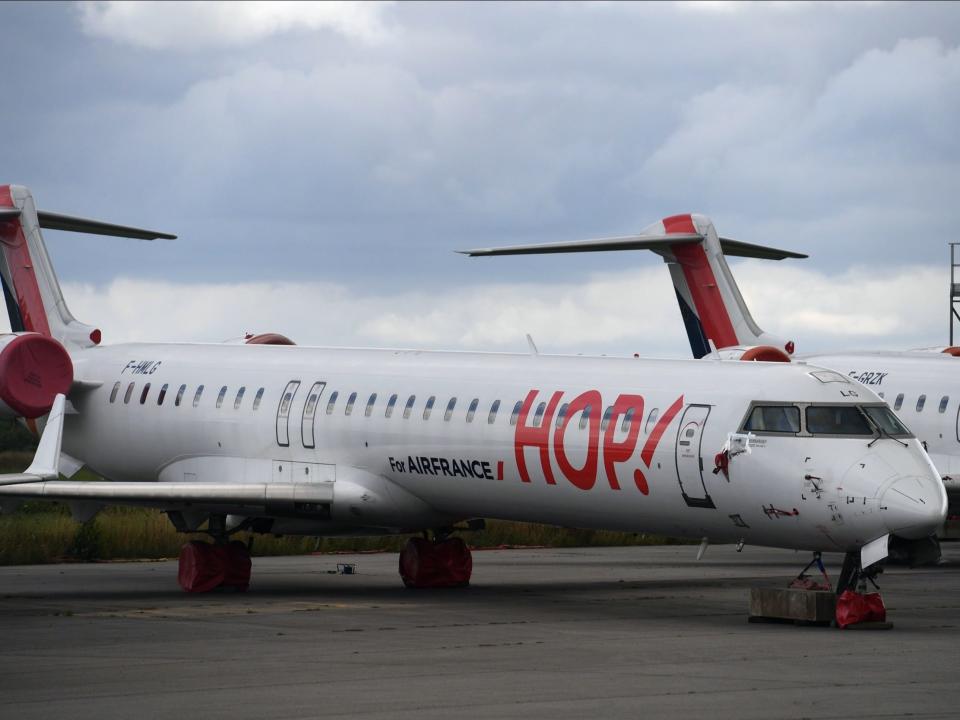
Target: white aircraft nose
point(914, 507)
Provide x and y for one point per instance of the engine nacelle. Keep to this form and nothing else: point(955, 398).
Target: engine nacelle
point(33, 370)
point(758, 353)
point(268, 339)
point(952, 350)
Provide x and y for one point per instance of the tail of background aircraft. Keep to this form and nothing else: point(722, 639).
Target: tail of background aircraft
point(32, 293)
point(710, 301)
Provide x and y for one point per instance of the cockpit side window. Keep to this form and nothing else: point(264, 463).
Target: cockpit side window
point(883, 418)
point(773, 418)
point(837, 420)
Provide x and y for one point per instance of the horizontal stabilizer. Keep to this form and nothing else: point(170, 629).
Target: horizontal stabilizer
point(46, 461)
point(735, 248)
point(636, 242)
point(70, 223)
point(629, 242)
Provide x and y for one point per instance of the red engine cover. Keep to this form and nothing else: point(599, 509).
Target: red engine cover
point(765, 353)
point(269, 339)
point(33, 370)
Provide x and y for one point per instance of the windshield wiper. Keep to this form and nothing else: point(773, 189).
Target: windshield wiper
point(883, 432)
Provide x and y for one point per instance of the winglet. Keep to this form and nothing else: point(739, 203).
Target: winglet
point(46, 462)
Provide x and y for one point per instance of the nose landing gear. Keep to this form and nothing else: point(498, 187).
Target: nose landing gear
point(855, 606)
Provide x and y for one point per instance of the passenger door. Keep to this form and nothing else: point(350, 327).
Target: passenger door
point(688, 461)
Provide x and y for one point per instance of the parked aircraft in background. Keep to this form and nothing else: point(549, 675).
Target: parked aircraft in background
point(922, 386)
point(270, 437)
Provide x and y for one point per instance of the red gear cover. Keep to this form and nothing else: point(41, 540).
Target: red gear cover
point(205, 567)
point(853, 608)
point(425, 564)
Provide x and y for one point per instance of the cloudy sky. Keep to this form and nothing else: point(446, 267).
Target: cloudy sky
point(320, 163)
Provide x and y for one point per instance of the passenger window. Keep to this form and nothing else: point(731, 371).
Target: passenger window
point(627, 423)
point(920, 401)
point(239, 399)
point(257, 398)
point(516, 412)
point(943, 403)
point(538, 416)
point(196, 397)
point(144, 393)
point(428, 408)
point(880, 395)
point(585, 417)
point(332, 401)
point(449, 411)
point(606, 418)
point(308, 420)
point(651, 421)
point(311, 405)
point(285, 404)
point(472, 410)
point(221, 396)
point(898, 402)
point(492, 415)
point(409, 406)
point(370, 402)
point(774, 418)
point(128, 394)
point(163, 394)
point(390, 404)
point(350, 401)
point(180, 392)
point(837, 420)
point(116, 389)
point(562, 414)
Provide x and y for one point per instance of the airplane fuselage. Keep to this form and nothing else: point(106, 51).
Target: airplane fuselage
point(344, 419)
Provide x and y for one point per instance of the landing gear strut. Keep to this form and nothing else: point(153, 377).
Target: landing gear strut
point(223, 564)
point(442, 562)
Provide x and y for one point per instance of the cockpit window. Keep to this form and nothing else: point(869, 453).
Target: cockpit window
point(774, 418)
point(837, 420)
point(883, 418)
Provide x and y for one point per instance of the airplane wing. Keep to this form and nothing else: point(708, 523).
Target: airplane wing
point(40, 482)
point(46, 461)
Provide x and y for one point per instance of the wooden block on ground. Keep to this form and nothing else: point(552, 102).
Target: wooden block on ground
point(791, 605)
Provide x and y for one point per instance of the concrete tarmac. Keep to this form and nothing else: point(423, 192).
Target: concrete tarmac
point(584, 633)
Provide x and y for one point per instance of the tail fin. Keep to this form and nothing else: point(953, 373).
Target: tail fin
point(710, 301)
point(32, 293)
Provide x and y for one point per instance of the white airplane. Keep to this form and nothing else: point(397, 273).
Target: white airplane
point(273, 438)
point(922, 386)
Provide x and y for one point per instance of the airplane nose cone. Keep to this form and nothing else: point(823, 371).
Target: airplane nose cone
point(914, 507)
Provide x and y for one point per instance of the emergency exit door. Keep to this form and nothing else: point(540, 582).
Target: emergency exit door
point(689, 462)
point(283, 413)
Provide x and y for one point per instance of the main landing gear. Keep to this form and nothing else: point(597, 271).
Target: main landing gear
point(223, 564)
point(442, 562)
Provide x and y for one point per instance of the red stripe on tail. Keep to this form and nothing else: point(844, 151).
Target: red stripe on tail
point(25, 286)
point(707, 300)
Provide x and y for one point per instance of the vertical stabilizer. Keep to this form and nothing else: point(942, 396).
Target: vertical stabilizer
point(709, 299)
point(30, 288)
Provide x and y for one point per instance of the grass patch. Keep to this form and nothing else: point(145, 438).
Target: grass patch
point(45, 532)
